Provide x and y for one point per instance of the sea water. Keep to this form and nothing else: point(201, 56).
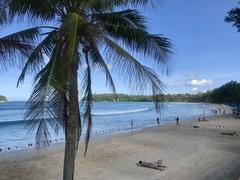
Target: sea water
point(108, 118)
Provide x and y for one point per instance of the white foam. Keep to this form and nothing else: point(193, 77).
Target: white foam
point(106, 113)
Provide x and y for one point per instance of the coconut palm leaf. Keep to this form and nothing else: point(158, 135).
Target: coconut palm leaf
point(36, 59)
point(99, 63)
point(96, 62)
point(139, 41)
point(127, 27)
point(25, 36)
point(61, 111)
point(129, 18)
point(42, 107)
point(40, 9)
point(17, 45)
point(87, 100)
point(110, 5)
point(139, 78)
point(3, 11)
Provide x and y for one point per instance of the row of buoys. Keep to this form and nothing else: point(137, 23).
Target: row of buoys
point(8, 148)
point(125, 128)
point(30, 145)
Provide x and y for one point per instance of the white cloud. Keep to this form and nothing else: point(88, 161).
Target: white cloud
point(200, 82)
point(195, 89)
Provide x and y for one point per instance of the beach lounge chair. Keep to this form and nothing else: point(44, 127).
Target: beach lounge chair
point(157, 165)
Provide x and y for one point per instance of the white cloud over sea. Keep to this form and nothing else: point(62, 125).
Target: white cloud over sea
point(200, 82)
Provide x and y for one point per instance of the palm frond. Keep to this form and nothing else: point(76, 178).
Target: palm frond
point(127, 18)
point(3, 11)
point(42, 106)
point(139, 78)
point(98, 5)
point(99, 63)
point(40, 9)
point(25, 36)
point(36, 59)
point(154, 46)
point(62, 112)
point(110, 5)
point(10, 51)
point(87, 101)
point(58, 104)
point(16, 46)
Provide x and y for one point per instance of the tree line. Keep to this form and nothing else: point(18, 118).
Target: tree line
point(228, 93)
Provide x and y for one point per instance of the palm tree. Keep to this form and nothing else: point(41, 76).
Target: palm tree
point(88, 35)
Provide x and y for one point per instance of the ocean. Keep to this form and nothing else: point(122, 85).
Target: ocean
point(108, 118)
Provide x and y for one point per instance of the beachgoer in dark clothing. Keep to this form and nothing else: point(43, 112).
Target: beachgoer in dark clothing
point(158, 122)
point(177, 121)
point(131, 123)
point(199, 119)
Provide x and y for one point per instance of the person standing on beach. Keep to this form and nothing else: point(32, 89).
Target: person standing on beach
point(131, 123)
point(158, 122)
point(177, 121)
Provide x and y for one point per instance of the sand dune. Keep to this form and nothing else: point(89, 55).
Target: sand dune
point(188, 153)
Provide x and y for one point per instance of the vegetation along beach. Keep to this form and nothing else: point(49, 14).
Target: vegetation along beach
point(119, 89)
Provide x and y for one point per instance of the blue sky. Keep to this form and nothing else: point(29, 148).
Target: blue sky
point(207, 50)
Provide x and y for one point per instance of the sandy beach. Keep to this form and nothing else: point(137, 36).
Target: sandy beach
point(189, 154)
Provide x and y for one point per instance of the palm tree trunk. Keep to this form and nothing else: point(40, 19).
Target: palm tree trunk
point(72, 126)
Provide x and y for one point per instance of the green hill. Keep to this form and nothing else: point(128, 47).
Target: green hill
point(121, 98)
point(228, 93)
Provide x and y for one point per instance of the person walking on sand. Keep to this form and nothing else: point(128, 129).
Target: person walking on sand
point(177, 121)
point(131, 123)
point(158, 122)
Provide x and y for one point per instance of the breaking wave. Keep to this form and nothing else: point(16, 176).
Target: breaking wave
point(117, 112)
